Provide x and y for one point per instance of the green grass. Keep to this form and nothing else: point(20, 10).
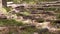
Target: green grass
point(40, 20)
point(23, 13)
point(29, 30)
point(46, 0)
point(57, 16)
point(10, 22)
point(50, 9)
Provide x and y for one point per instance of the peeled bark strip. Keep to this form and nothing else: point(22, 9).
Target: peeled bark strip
point(0, 3)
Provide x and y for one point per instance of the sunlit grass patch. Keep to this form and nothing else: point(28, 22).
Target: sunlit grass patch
point(3, 10)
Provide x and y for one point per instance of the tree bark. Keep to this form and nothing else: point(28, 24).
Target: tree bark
point(4, 3)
